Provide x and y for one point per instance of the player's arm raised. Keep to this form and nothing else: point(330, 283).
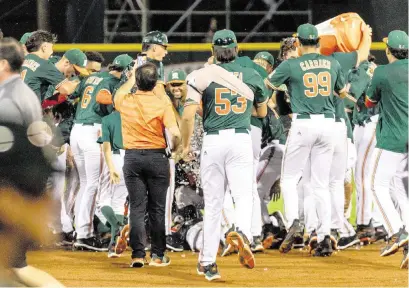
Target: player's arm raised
point(373, 94)
point(365, 45)
point(171, 124)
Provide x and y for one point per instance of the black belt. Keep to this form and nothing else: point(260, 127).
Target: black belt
point(143, 151)
point(116, 152)
point(85, 124)
point(337, 119)
point(236, 130)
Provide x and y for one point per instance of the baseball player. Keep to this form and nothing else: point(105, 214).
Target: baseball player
point(112, 189)
point(39, 74)
point(311, 80)
point(23, 41)
point(95, 94)
point(389, 87)
point(95, 60)
point(176, 85)
point(227, 91)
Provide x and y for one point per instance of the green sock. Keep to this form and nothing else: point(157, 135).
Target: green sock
point(101, 227)
point(109, 214)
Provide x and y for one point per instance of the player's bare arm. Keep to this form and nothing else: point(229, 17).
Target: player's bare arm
point(188, 123)
point(68, 87)
point(113, 174)
point(365, 45)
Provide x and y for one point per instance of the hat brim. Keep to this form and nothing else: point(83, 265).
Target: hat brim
point(232, 45)
point(176, 81)
point(82, 70)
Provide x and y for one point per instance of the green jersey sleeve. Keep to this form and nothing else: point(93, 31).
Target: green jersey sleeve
point(374, 89)
point(261, 93)
point(279, 76)
point(340, 81)
point(51, 74)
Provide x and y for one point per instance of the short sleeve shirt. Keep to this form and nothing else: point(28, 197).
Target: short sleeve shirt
point(39, 74)
point(112, 130)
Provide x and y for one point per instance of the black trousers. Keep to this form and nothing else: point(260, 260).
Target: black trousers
point(147, 176)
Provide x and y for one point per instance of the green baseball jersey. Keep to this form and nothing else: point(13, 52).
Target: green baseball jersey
point(359, 80)
point(389, 87)
point(247, 62)
point(89, 110)
point(273, 128)
point(311, 80)
point(227, 91)
point(112, 130)
point(39, 74)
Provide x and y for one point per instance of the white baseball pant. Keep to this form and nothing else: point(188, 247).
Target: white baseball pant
point(226, 159)
point(365, 142)
point(256, 223)
point(308, 138)
point(171, 189)
point(386, 166)
point(88, 158)
point(109, 194)
point(306, 202)
point(268, 172)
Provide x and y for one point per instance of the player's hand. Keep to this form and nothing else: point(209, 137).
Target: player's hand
point(275, 191)
point(188, 155)
point(366, 29)
point(114, 177)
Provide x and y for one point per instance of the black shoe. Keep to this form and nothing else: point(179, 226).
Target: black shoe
point(65, 239)
point(365, 233)
point(173, 244)
point(210, 271)
point(295, 233)
point(91, 244)
point(257, 245)
point(380, 234)
point(346, 242)
point(324, 248)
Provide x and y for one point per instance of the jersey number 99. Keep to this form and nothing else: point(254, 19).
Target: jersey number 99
point(317, 84)
point(223, 106)
point(86, 96)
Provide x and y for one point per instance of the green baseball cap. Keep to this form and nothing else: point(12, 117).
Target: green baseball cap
point(122, 61)
point(307, 31)
point(225, 39)
point(176, 76)
point(24, 38)
point(265, 56)
point(397, 39)
point(78, 59)
point(156, 37)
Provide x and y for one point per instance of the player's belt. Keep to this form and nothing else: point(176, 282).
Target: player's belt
point(116, 152)
point(236, 130)
point(308, 116)
point(337, 119)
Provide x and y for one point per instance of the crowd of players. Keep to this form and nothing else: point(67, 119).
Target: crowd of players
point(76, 93)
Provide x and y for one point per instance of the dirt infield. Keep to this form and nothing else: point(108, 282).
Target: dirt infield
point(352, 267)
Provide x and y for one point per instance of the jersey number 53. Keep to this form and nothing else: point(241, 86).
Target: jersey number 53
point(317, 84)
point(223, 105)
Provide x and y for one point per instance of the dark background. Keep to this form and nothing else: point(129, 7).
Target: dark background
point(81, 21)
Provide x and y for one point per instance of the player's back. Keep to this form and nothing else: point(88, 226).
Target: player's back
point(312, 81)
point(223, 106)
point(87, 110)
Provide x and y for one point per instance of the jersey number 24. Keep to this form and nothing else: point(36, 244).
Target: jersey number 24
point(223, 106)
point(317, 84)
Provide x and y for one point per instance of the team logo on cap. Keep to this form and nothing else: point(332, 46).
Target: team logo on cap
point(175, 75)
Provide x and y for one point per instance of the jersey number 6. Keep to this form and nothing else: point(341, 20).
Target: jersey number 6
point(223, 106)
point(86, 97)
point(317, 84)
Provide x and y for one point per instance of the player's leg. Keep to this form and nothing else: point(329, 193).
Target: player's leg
point(321, 158)
point(400, 191)
point(301, 136)
point(385, 166)
point(228, 223)
point(310, 213)
point(239, 171)
point(213, 180)
point(93, 165)
point(256, 223)
point(337, 178)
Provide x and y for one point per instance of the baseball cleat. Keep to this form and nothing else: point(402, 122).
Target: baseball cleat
point(268, 240)
point(399, 239)
point(121, 242)
point(295, 233)
point(324, 248)
point(256, 246)
point(240, 241)
point(380, 234)
point(173, 244)
point(346, 242)
point(405, 260)
point(211, 272)
point(91, 244)
point(365, 233)
point(158, 261)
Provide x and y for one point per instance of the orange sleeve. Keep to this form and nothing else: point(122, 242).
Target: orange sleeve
point(369, 103)
point(169, 119)
point(104, 96)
